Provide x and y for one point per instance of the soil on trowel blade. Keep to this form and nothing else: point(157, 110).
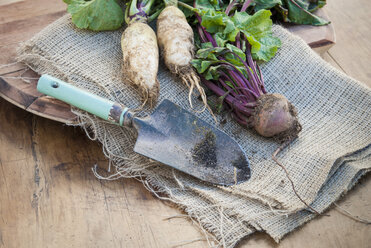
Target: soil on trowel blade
point(204, 152)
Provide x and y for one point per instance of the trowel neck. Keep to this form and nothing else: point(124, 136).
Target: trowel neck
point(126, 119)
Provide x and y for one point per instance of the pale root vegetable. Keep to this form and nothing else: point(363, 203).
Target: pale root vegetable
point(140, 59)
point(175, 38)
point(176, 42)
point(140, 49)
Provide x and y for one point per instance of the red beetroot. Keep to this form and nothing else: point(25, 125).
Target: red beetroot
point(275, 116)
point(239, 82)
point(271, 115)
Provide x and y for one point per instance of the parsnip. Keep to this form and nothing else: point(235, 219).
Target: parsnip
point(140, 56)
point(140, 51)
point(175, 39)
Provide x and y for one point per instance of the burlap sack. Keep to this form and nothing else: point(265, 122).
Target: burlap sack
point(323, 162)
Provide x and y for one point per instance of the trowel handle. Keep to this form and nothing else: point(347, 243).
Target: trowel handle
point(99, 106)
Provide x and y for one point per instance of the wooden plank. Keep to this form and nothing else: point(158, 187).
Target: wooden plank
point(23, 94)
point(16, 96)
point(337, 230)
point(352, 22)
point(6, 2)
point(49, 196)
point(53, 109)
point(320, 38)
point(21, 30)
point(23, 10)
point(11, 38)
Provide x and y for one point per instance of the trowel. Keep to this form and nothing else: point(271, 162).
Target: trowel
point(170, 135)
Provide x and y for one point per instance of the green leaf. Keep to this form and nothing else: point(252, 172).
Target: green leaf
point(96, 15)
point(208, 53)
point(213, 73)
point(206, 45)
point(204, 65)
point(231, 53)
point(316, 4)
point(209, 69)
point(196, 63)
point(206, 68)
point(207, 5)
point(213, 21)
point(256, 28)
point(258, 25)
point(266, 4)
point(304, 4)
point(295, 11)
point(187, 12)
point(299, 13)
point(221, 39)
point(236, 50)
point(258, 31)
point(229, 26)
point(269, 47)
point(255, 45)
point(207, 62)
point(240, 18)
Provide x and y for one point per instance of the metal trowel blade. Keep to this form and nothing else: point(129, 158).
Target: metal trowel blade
point(179, 139)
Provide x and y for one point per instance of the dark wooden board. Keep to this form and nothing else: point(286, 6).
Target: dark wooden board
point(25, 96)
point(319, 38)
point(19, 25)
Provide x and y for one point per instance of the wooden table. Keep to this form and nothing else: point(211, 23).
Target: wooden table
point(49, 196)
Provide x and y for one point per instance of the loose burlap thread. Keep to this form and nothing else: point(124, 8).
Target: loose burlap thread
point(330, 155)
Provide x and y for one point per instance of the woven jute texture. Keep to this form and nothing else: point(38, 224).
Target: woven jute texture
point(331, 153)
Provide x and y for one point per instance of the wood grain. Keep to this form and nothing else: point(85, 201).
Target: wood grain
point(352, 22)
point(6, 2)
point(21, 20)
point(25, 96)
point(22, 10)
point(49, 196)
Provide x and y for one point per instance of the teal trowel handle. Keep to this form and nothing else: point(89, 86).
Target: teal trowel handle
point(99, 106)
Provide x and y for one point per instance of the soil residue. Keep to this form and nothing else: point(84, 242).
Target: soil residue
point(243, 165)
point(204, 152)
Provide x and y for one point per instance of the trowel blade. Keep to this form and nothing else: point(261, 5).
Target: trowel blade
point(177, 138)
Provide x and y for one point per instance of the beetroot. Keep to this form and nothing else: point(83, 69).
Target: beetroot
point(275, 116)
point(271, 115)
point(230, 70)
